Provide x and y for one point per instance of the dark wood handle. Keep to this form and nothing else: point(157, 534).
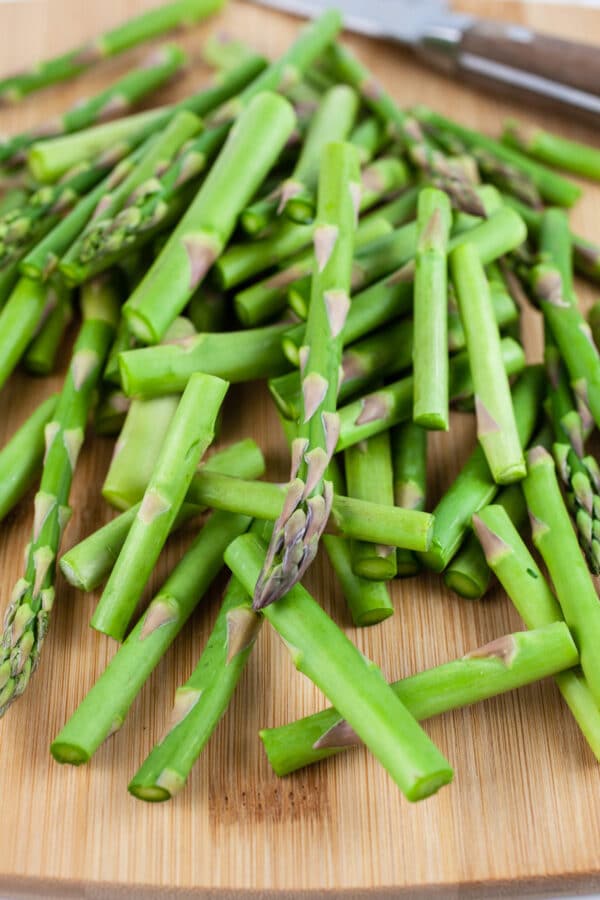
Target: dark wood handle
point(555, 59)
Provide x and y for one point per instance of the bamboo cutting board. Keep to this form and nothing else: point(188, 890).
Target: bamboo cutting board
point(523, 812)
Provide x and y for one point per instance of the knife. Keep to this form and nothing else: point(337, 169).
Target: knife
point(512, 59)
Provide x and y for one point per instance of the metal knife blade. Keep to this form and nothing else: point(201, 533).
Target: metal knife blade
point(401, 20)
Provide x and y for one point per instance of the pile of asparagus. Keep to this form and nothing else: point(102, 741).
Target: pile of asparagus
point(290, 222)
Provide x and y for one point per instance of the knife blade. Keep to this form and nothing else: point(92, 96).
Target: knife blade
point(509, 58)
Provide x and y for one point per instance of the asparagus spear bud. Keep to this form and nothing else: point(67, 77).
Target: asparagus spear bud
point(295, 195)
point(27, 617)
point(190, 433)
point(552, 187)
point(114, 101)
point(474, 487)
point(468, 574)
point(89, 563)
point(369, 476)
point(507, 663)
point(354, 684)
point(520, 576)
point(232, 355)
point(555, 151)
point(49, 160)
point(392, 404)
point(104, 708)
point(202, 700)
point(208, 223)
point(142, 28)
point(296, 534)
point(430, 343)
point(554, 538)
point(40, 358)
point(496, 426)
point(21, 457)
point(409, 463)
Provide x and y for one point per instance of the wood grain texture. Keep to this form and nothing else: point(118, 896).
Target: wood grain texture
point(523, 813)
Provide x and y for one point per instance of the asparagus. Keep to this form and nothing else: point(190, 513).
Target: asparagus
point(496, 426)
point(140, 442)
point(507, 663)
point(202, 700)
point(27, 617)
point(137, 30)
point(79, 261)
point(594, 322)
point(309, 496)
point(19, 320)
point(111, 411)
point(104, 708)
point(233, 355)
point(190, 433)
point(553, 188)
point(369, 601)
point(206, 227)
point(108, 143)
point(294, 196)
point(430, 342)
point(88, 564)
point(21, 457)
point(409, 464)
point(555, 243)
point(474, 487)
point(350, 681)
point(435, 164)
point(558, 152)
point(519, 574)
point(468, 574)
point(573, 337)
point(209, 310)
point(369, 138)
point(40, 357)
point(369, 477)
point(262, 300)
point(554, 538)
point(109, 103)
point(392, 404)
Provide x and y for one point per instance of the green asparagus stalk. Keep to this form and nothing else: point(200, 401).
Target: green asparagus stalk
point(553, 188)
point(123, 341)
point(203, 232)
point(554, 538)
point(190, 433)
point(369, 138)
point(202, 700)
point(594, 322)
point(369, 476)
point(79, 262)
point(430, 343)
point(435, 164)
point(504, 664)
point(555, 151)
point(114, 101)
point(468, 574)
point(496, 426)
point(19, 320)
point(27, 618)
point(392, 404)
point(111, 411)
point(474, 487)
point(353, 683)
point(556, 244)
point(520, 576)
point(296, 534)
point(140, 442)
point(332, 121)
point(21, 457)
point(369, 601)
point(112, 141)
point(209, 310)
point(142, 28)
point(409, 464)
point(104, 708)
point(89, 563)
point(233, 355)
point(40, 357)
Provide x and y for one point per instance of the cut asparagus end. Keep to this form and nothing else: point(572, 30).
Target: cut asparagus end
point(149, 793)
point(141, 328)
point(71, 575)
point(69, 754)
point(373, 616)
point(462, 584)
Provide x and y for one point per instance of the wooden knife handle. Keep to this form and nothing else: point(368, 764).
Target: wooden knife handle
point(522, 63)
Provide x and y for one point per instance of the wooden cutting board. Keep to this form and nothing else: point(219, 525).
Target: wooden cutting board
point(523, 812)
